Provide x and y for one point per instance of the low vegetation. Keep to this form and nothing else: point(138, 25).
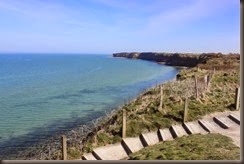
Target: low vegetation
point(193, 147)
point(143, 114)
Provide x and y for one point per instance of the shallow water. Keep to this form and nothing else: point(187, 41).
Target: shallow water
point(41, 94)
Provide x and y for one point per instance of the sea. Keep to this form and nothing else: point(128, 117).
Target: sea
point(41, 94)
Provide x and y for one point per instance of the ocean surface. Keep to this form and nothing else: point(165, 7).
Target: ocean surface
point(41, 94)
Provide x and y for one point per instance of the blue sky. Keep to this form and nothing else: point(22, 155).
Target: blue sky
point(107, 26)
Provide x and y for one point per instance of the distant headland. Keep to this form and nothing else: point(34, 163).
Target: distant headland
point(176, 59)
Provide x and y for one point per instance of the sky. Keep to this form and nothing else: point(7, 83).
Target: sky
point(108, 26)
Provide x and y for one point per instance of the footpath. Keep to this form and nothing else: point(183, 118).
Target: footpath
point(225, 123)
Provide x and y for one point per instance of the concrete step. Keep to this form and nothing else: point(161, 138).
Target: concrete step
point(177, 131)
point(209, 125)
point(88, 156)
point(237, 113)
point(235, 118)
point(132, 145)
point(224, 121)
point(164, 134)
point(193, 128)
point(110, 152)
point(150, 138)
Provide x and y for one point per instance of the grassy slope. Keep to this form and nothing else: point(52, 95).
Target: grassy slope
point(194, 147)
point(143, 114)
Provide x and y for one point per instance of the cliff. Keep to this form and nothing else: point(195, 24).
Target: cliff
point(172, 59)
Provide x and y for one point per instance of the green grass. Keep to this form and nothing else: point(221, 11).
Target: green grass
point(143, 114)
point(73, 154)
point(189, 73)
point(194, 147)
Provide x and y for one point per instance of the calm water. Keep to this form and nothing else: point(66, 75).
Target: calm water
point(42, 94)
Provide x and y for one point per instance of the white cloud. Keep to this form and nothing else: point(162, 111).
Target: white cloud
point(175, 18)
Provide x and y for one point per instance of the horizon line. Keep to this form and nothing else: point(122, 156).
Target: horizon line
point(104, 53)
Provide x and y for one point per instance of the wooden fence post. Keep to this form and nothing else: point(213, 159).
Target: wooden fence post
point(185, 110)
point(124, 124)
point(206, 82)
point(64, 147)
point(214, 70)
point(161, 99)
point(237, 98)
point(196, 87)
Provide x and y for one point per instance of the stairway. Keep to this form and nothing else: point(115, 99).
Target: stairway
point(217, 124)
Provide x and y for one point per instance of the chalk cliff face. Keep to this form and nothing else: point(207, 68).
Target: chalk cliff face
point(173, 59)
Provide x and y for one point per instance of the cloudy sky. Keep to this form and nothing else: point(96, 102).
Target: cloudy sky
point(107, 26)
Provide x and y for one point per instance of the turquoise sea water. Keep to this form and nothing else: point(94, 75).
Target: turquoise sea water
point(41, 94)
